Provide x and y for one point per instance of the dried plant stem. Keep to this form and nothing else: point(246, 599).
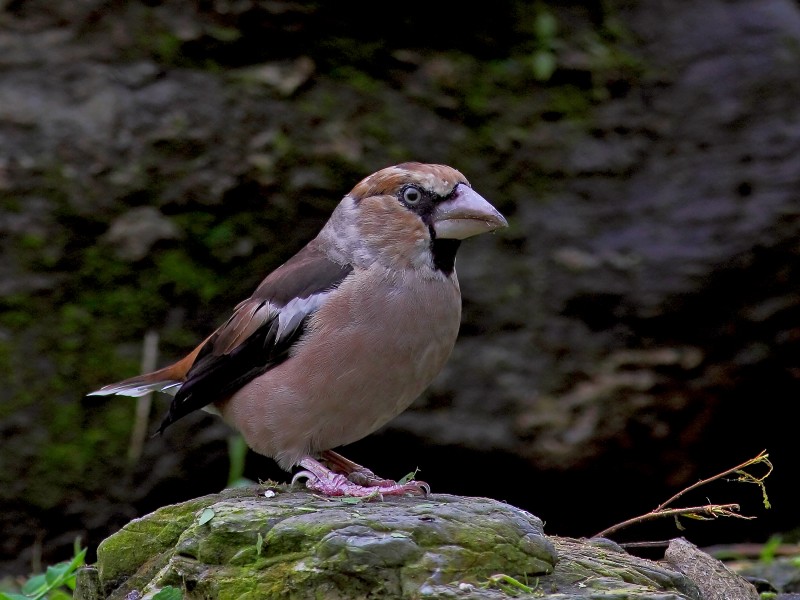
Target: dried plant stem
point(143, 403)
point(708, 511)
point(761, 458)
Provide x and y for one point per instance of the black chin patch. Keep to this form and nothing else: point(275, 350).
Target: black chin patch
point(444, 254)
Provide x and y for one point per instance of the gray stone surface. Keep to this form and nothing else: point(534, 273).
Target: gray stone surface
point(244, 544)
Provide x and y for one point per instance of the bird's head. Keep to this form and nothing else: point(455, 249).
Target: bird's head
point(413, 215)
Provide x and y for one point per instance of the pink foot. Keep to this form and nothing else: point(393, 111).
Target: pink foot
point(321, 479)
point(355, 472)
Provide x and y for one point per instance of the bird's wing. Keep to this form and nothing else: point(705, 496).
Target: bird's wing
point(260, 332)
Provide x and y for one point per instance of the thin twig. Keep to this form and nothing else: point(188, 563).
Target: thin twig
point(650, 544)
point(762, 457)
point(143, 403)
point(709, 511)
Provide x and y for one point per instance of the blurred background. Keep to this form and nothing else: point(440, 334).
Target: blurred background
point(635, 329)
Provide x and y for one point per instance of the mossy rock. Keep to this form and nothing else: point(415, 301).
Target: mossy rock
point(271, 542)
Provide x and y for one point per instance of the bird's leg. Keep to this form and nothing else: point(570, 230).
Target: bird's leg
point(320, 478)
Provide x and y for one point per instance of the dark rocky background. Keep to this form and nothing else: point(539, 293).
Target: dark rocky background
point(636, 328)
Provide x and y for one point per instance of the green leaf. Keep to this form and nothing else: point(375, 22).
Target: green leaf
point(543, 64)
point(769, 549)
point(259, 544)
point(55, 574)
point(168, 593)
point(237, 453)
point(408, 477)
point(4, 596)
point(46, 584)
point(350, 500)
point(35, 585)
point(78, 560)
point(360, 499)
point(545, 26)
point(240, 483)
point(205, 517)
point(510, 585)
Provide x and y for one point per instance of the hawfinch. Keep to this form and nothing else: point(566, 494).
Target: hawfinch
point(342, 337)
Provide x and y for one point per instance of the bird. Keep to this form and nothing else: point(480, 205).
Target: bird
point(343, 336)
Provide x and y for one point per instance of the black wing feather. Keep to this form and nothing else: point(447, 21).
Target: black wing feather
point(213, 376)
point(220, 370)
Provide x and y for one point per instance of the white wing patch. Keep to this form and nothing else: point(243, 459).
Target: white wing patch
point(298, 309)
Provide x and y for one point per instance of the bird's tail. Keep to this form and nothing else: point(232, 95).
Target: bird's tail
point(163, 380)
point(169, 379)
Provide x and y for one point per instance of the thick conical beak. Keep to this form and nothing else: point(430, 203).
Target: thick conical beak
point(466, 214)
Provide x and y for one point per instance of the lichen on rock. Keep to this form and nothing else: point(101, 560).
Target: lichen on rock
point(245, 544)
point(242, 544)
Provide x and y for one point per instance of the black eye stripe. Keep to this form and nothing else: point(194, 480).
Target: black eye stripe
point(421, 201)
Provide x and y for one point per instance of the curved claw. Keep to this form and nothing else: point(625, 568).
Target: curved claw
point(307, 475)
point(424, 487)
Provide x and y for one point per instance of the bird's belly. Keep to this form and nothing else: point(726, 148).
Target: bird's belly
point(340, 384)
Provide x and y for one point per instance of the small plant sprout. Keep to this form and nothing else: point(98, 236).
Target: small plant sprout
point(53, 583)
point(510, 585)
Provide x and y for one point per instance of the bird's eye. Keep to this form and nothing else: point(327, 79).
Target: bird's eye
point(412, 195)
